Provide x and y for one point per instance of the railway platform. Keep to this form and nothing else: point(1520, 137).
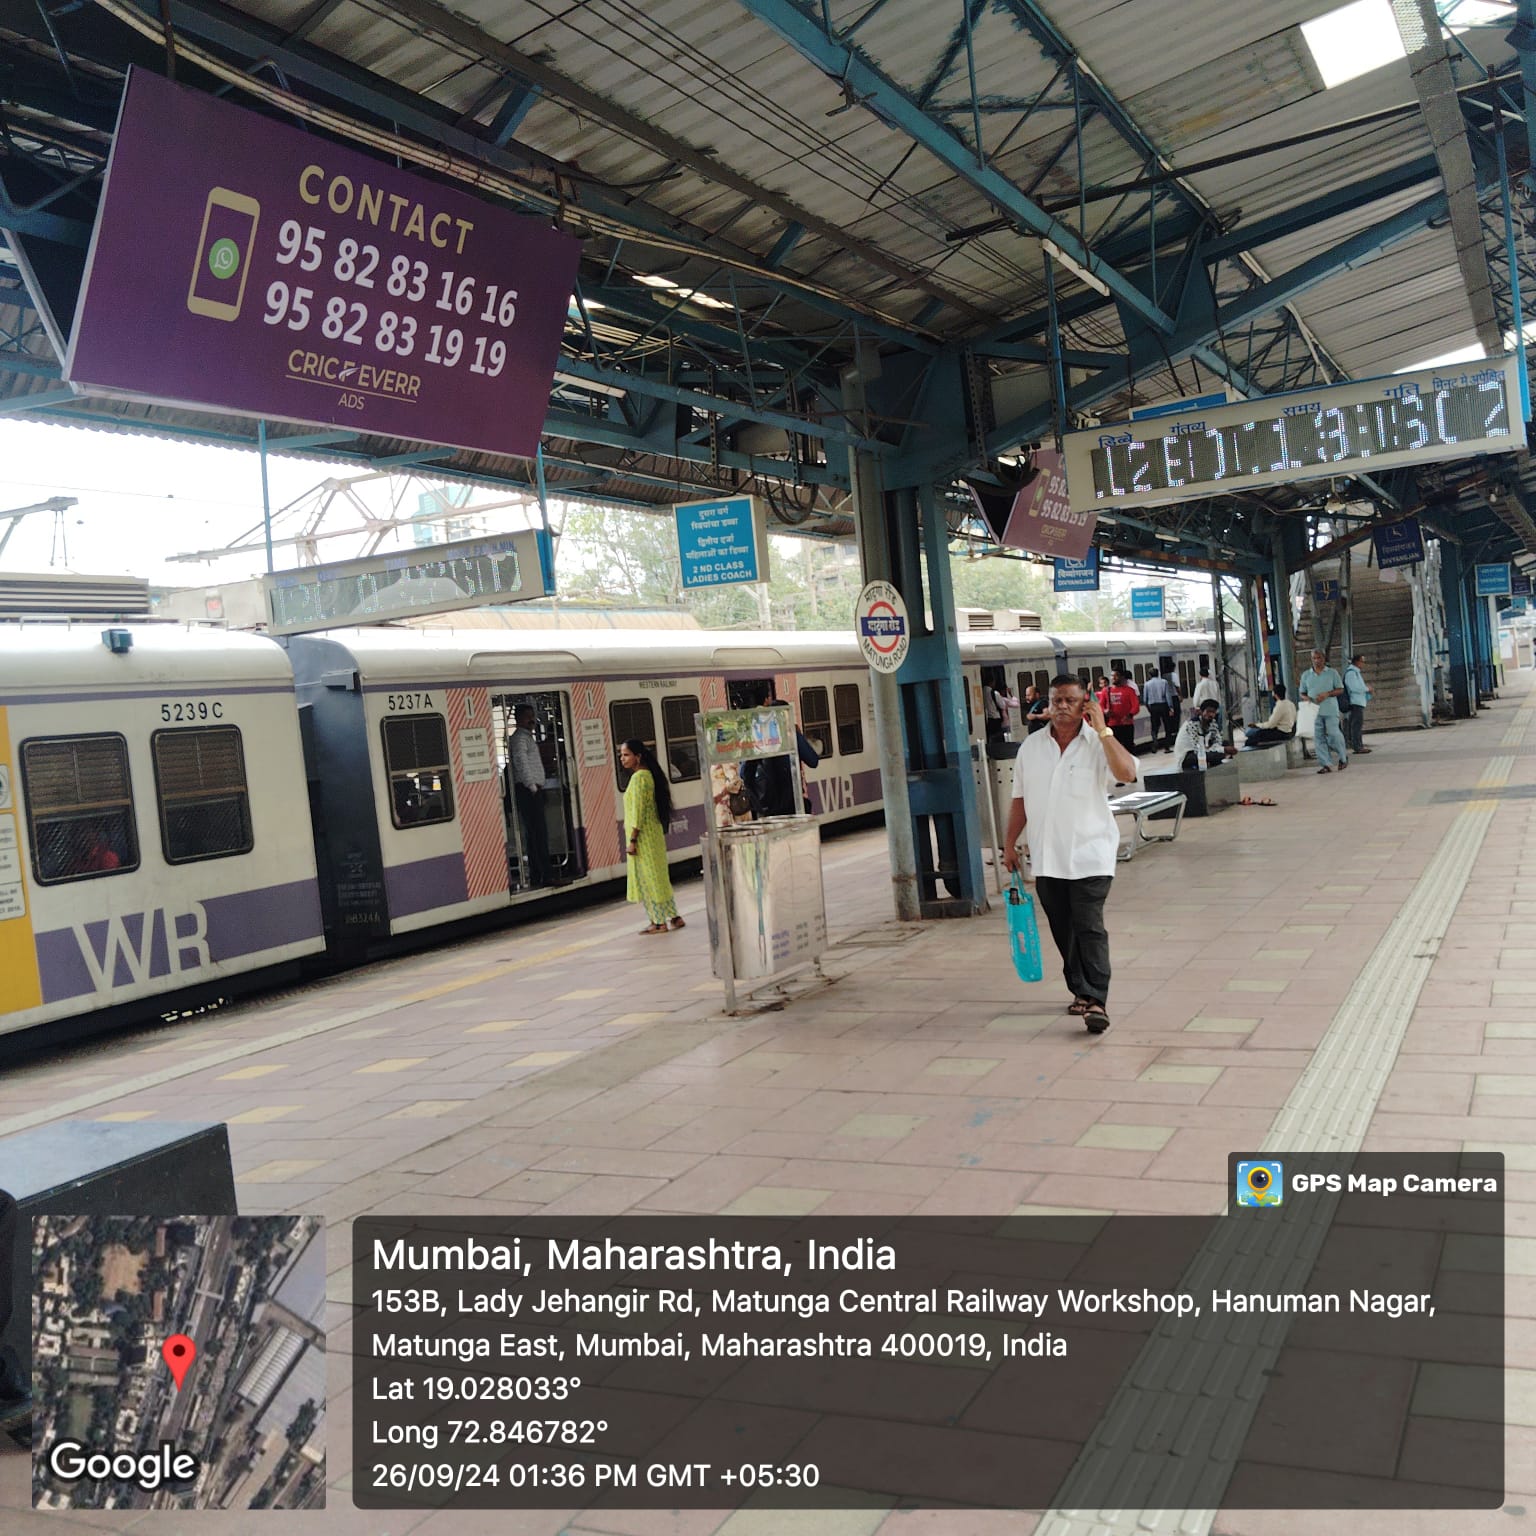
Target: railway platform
point(1353, 967)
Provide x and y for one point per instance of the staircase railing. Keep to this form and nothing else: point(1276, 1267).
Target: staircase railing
point(1430, 647)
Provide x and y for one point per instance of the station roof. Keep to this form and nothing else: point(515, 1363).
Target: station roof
point(771, 191)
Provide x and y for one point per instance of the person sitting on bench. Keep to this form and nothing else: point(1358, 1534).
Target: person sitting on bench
point(1200, 731)
point(1280, 726)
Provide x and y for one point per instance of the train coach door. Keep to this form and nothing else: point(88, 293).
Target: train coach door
point(542, 846)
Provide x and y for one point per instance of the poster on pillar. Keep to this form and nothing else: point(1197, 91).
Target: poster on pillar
point(1042, 520)
point(1493, 580)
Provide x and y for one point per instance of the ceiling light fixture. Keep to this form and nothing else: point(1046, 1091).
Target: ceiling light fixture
point(1093, 280)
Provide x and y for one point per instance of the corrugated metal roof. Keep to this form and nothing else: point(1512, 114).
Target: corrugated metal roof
point(1200, 79)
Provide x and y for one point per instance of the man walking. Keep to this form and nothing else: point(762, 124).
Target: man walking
point(1206, 690)
point(1356, 695)
point(1161, 697)
point(1323, 686)
point(1061, 783)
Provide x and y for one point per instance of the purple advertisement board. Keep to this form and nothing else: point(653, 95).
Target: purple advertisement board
point(242, 265)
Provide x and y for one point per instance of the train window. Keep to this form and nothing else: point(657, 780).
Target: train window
point(679, 720)
point(1141, 674)
point(205, 810)
point(1085, 677)
point(1117, 664)
point(417, 763)
point(816, 720)
point(79, 807)
point(849, 709)
point(1186, 679)
point(632, 720)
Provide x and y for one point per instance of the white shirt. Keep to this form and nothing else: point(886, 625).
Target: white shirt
point(1068, 823)
point(527, 764)
point(1281, 718)
point(1206, 689)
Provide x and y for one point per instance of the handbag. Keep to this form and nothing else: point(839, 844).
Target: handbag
point(1306, 718)
point(1023, 932)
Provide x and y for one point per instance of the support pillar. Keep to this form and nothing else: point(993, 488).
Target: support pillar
point(875, 560)
point(1283, 641)
point(947, 828)
point(1453, 591)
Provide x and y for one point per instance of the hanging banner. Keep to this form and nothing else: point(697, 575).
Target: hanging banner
point(1042, 520)
point(1326, 590)
point(722, 542)
point(1400, 543)
point(1146, 602)
point(1078, 575)
point(242, 265)
point(1519, 584)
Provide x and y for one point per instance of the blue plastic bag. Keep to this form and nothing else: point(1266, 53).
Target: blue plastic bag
point(1023, 932)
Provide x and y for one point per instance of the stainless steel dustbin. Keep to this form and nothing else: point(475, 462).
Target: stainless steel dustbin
point(766, 908)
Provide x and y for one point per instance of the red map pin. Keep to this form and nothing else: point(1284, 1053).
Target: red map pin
point(178, 1352)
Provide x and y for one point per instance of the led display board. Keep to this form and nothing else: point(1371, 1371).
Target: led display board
point(1358, 427)
point(510, 568)
point(243, 264)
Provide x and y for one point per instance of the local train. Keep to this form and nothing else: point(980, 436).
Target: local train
point(188, 813)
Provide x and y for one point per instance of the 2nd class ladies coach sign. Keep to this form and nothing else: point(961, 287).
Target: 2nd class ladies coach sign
point(240, 264)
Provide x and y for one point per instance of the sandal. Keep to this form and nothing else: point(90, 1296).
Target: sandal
point(1325, 770)
point(1095, 1017)
point(677, 922)
point(1080, 1005)
point(654, 928)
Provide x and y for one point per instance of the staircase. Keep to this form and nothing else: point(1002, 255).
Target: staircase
point(1383, 631)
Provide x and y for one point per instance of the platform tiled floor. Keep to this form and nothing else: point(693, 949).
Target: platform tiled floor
point(572, 1066)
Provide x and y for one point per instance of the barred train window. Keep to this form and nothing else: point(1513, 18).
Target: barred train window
point(816, 720)
point(632, 720)
point(79, 807)
point(849, 709)
point(205, 810)
point(678, 716)
point(419, 768)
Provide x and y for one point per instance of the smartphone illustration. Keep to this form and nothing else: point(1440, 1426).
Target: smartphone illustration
point(223, 254)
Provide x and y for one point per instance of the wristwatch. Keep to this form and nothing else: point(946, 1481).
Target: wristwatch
point(1105, 731)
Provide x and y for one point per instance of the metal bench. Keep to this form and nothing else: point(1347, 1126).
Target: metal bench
point(1145, 804)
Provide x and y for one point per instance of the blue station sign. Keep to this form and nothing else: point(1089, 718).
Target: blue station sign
point(1493, 580)
point(1078, 575)
point(1326, 590)
point(1146, 602)
point(722, 542)
point(1399, 543)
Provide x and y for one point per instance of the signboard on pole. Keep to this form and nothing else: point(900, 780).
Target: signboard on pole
point(243, 265)
point(1078, 575)
point(1326, 590)
point(1399, 543)
point(880, 621)
point(1146, 602)
point(1493, 580)
point(1041, 519)
point(722, 542)
point(514, 568)
point(1519, 584)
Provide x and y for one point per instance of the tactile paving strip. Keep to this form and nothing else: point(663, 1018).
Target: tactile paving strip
point(1172, 1433)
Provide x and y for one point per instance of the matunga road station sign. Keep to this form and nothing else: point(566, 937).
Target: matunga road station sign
point(242, 265)
point(880, 621)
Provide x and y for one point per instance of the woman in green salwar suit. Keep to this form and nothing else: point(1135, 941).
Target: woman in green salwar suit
point(647, 813)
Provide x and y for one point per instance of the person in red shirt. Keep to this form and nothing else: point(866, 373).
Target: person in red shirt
point(1121, 706)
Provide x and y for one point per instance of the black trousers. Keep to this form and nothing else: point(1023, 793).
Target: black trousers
point(1126, 736)
point(1266, 736)
point(1165, 722)
point(1354, 727)
point(530, 808)
point(1075, 911)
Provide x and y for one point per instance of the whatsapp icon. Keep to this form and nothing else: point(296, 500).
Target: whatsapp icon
point(223, 258)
